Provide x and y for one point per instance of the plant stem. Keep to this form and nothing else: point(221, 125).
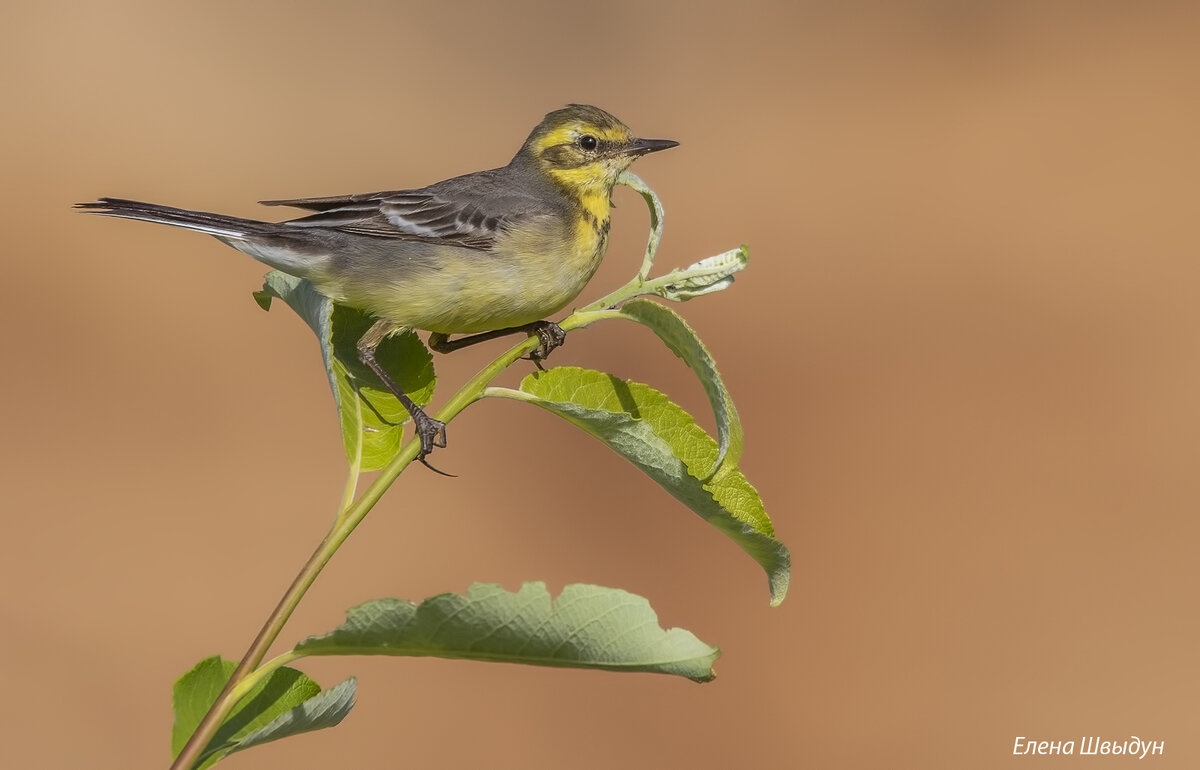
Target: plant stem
point(258, 649)
point(264, 671)
point(346, 522)
point(348, 493)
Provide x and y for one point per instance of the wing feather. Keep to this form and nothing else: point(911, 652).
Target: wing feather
point(470, 211)
point(329, 202)
point(408, 216)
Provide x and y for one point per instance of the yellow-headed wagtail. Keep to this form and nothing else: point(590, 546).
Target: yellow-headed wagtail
point(487, 254)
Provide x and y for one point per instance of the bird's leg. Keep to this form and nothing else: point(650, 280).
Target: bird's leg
point(549, 334)
point(430, 432)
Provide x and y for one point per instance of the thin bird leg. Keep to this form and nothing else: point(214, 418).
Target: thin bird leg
point(430, 432)
point(550, 336)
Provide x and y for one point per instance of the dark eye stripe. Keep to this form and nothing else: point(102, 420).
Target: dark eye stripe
point(573, 156)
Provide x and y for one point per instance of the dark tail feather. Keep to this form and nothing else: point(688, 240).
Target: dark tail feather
point(202, 221)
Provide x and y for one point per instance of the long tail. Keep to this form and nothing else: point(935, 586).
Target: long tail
point(219, 225)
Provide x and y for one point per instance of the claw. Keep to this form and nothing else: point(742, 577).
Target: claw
point(425, 462)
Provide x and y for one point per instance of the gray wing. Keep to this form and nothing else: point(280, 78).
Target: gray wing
point(470, 211)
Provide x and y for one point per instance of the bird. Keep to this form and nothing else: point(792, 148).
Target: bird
point(484, 254)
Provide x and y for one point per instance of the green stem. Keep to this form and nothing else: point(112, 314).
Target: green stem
point(224, 703)
point(252, 680)
point(349, 492)
point(349, 518)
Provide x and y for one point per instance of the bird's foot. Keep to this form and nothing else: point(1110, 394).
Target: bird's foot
point(550, 337)
point(431, 433)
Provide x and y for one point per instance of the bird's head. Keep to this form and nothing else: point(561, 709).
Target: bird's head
point(584, 149)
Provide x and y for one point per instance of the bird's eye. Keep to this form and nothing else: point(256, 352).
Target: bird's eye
point(588, 142)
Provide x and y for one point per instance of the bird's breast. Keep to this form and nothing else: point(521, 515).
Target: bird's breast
point(555, 262)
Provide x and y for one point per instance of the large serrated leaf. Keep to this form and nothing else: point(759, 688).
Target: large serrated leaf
point(586, 627)
point(268, 705)
point(685, 343)
point(663, 440)
point(372, 419)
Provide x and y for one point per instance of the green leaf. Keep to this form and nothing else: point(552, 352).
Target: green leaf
point(684, 343)
point(709, 275)
point(311, 305)
point(285, 703)
point(326, 709)
point(634, 182)
point(381, 415)
point(372, 419)
point(663, 440)
point(193, 694)
point(586, 627)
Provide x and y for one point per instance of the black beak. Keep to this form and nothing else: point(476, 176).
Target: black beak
point(643, 146)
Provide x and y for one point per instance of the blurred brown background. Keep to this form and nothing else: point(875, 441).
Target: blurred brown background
point(966, 354)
